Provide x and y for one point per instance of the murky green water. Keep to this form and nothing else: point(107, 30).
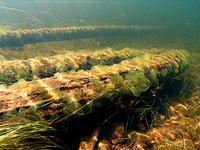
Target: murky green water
point(59, 28)
point(178, 19)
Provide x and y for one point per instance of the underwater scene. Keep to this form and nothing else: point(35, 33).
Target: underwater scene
point(99, 75)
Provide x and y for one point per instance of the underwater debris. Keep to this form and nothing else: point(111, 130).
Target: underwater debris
point(78, 92)
point(21, 37)
point(89, 144)
point(13, 71)
point(181, 129)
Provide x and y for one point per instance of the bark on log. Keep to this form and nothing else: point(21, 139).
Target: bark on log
point(70, 93)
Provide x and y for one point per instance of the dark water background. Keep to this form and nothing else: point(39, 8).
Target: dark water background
point(180, 19)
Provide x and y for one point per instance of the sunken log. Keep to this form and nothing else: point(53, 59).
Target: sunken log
point(78, 93)
point(12, 71)
point(11, 38)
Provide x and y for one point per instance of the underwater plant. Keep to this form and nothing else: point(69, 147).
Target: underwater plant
point(137, 82)
point(26, 134)
point(13, 71)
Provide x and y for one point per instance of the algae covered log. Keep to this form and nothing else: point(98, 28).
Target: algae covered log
point(72, 92)
point(21, 37)
point(12, 71)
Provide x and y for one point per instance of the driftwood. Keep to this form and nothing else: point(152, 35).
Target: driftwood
point(21, 37)
point(73, 92)
point(12, 71)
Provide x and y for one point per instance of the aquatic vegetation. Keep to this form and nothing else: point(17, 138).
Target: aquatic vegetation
point(137, 82)
point(21, 37)
point(180, 131)
point(176, 129)
point(27, 135)
point(54, 94)
point(77, 94)
point(13, 71)
point(93, 84)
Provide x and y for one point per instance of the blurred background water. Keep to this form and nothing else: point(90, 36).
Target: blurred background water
point(179, 20)
point(99, 12)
